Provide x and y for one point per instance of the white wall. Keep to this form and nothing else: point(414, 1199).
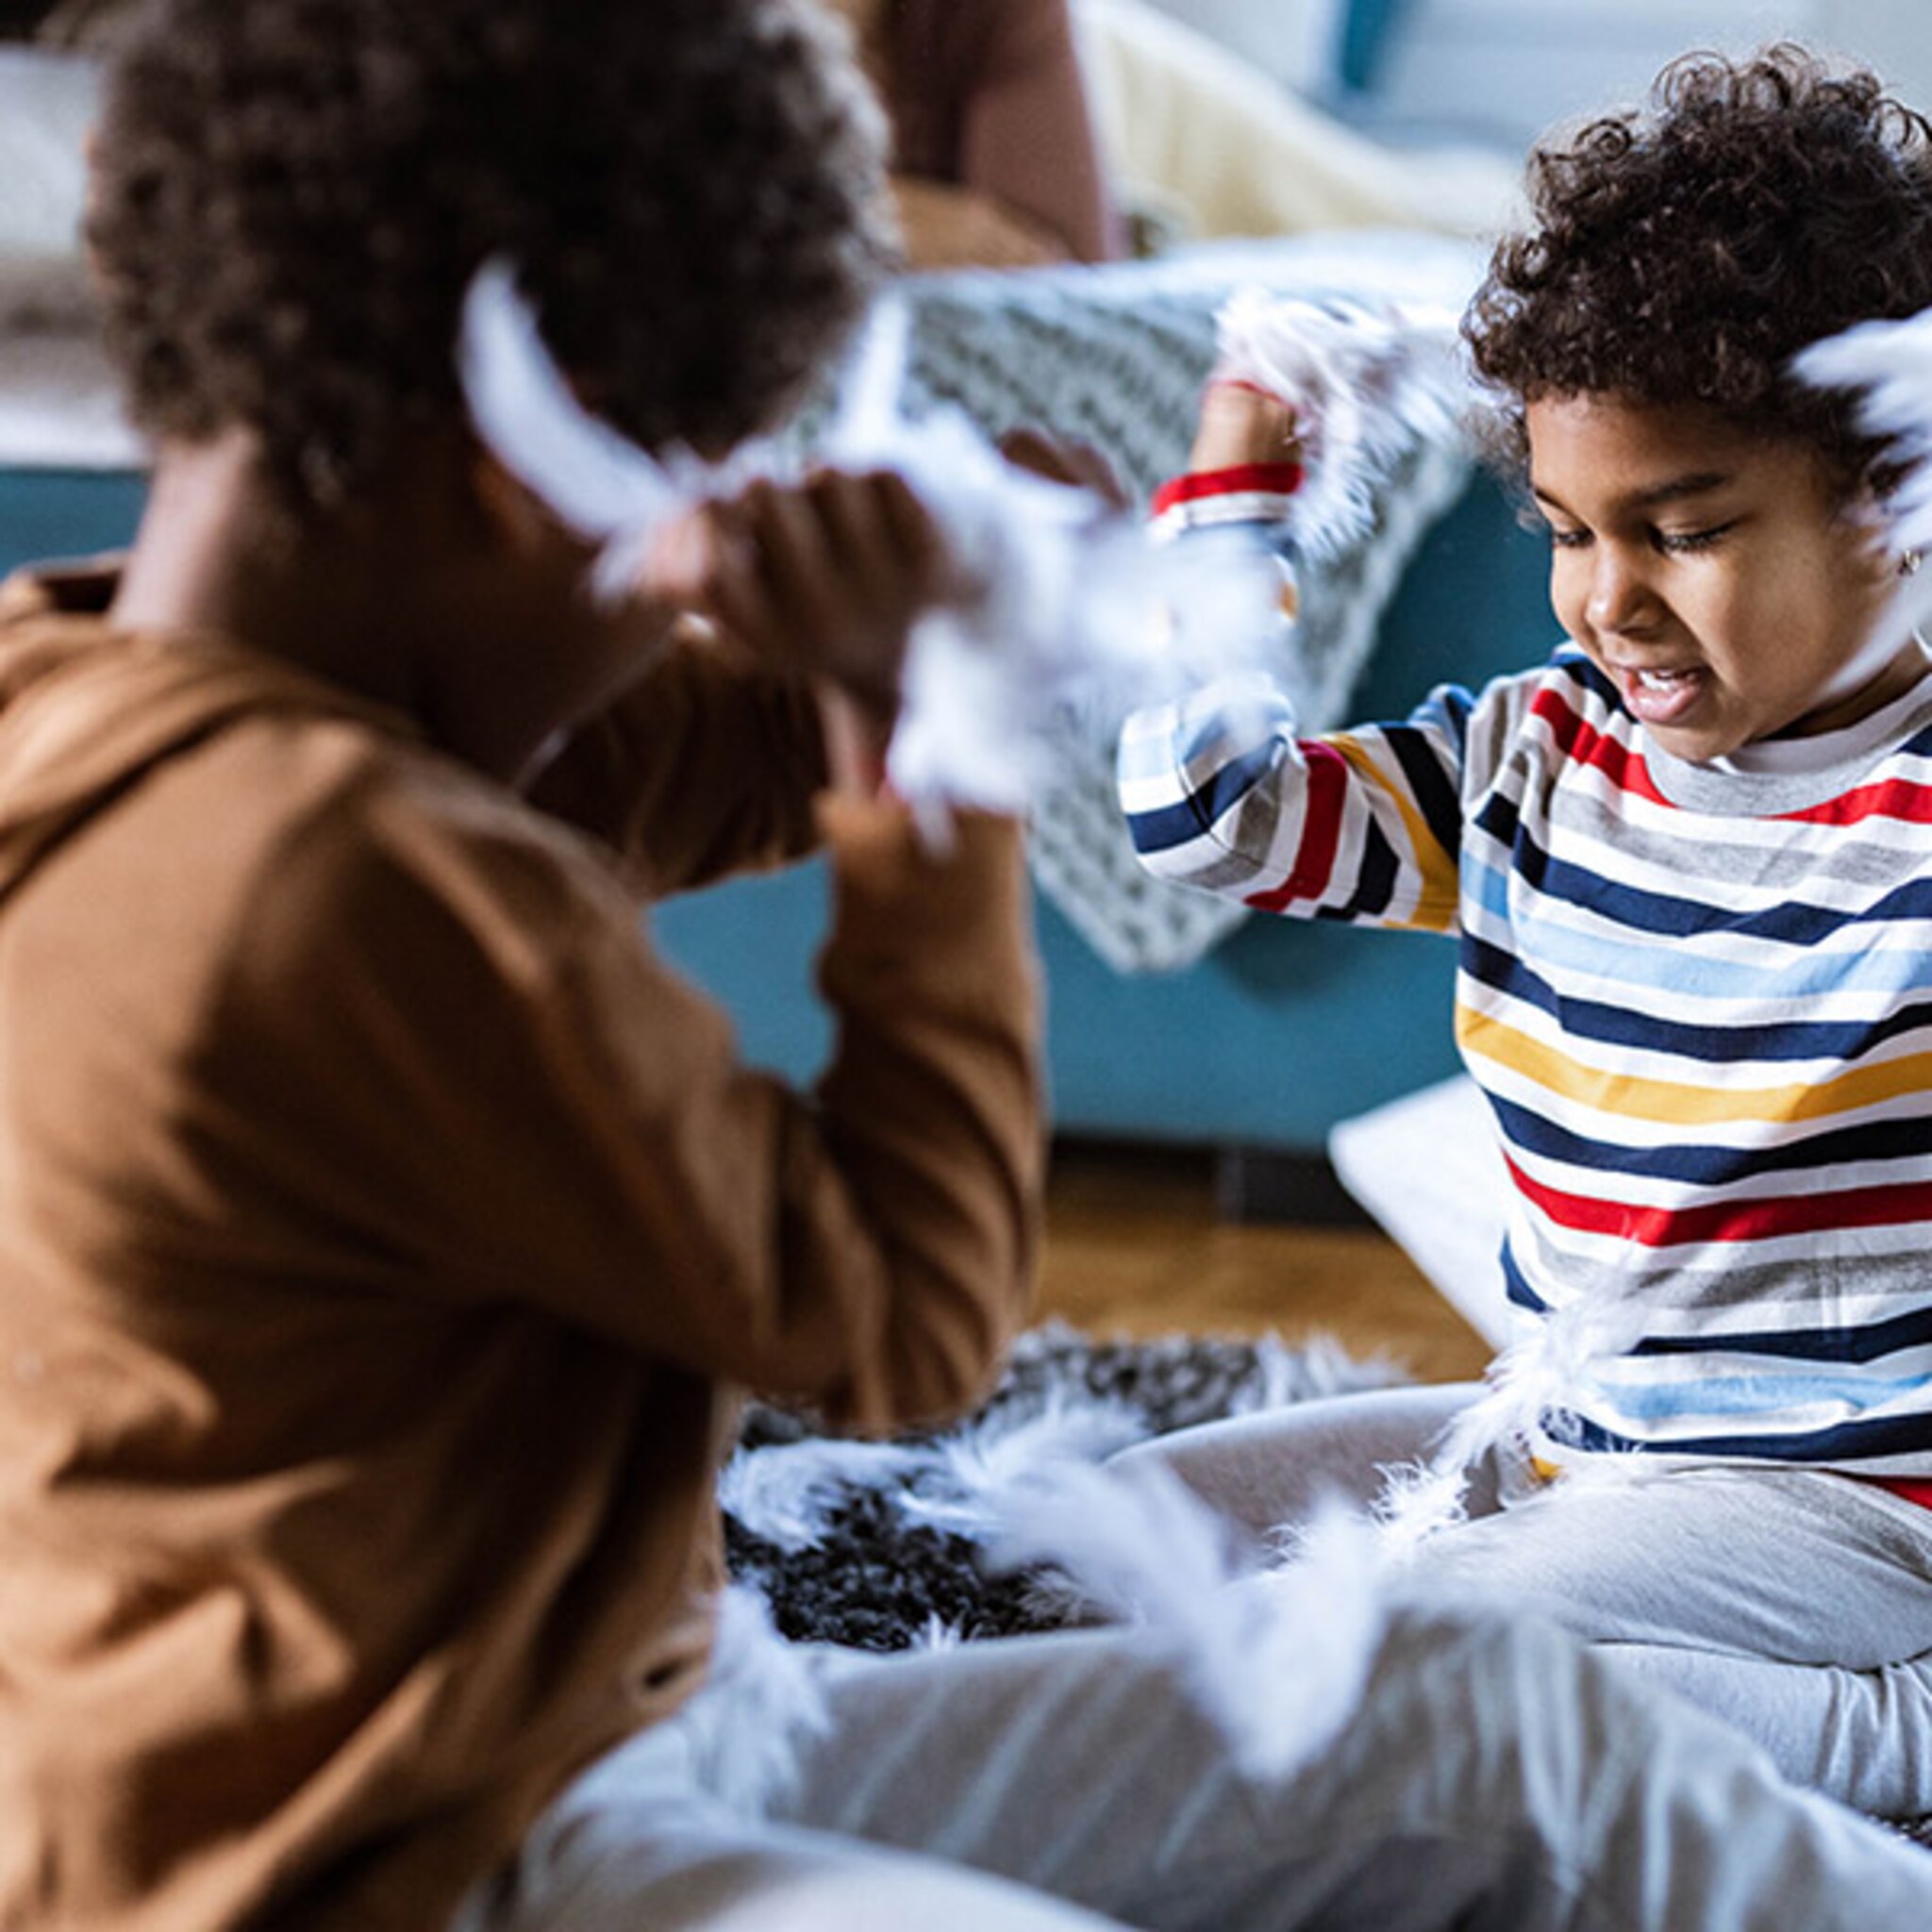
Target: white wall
point(1892, 36)
point(1292, 39)
point(1501, 71)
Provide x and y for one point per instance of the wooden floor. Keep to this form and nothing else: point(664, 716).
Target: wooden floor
point(1136, 1246)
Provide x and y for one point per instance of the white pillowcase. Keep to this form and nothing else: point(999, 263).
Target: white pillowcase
point(1428, 1168)
point(47, 104)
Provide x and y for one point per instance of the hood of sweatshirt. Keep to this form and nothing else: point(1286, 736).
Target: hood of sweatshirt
point(87, 710)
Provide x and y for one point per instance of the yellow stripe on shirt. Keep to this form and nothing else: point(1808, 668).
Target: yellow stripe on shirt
point(1679, 1103)
point(1435, 904)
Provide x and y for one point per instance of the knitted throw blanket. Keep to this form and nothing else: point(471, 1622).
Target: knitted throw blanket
point(1115, 357)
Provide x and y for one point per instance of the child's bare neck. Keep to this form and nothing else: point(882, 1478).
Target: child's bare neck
point(426, 595)
point(382, 598)
point(217, 554)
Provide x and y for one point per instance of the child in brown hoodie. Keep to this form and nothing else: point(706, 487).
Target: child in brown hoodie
point(384, 1231)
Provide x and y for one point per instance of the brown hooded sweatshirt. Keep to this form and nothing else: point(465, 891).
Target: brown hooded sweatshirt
point(384, 1230)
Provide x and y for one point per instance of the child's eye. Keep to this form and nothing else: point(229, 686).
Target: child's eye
point(1688, 542)
point(1565, 540)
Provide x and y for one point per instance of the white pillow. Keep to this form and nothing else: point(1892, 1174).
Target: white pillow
point(1427, 1167)
point(47, 104)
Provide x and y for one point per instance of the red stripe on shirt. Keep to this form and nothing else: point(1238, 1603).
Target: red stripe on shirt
point(1584, 744)
point(1909, 1489)
point(1721, 1220)
point(1314, 858)
point(1896, 798)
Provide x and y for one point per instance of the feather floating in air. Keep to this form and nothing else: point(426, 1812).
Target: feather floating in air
point(1277, 1658)
point(1890, 363)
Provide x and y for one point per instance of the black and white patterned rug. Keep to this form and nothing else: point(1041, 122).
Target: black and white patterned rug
point(880, 1545)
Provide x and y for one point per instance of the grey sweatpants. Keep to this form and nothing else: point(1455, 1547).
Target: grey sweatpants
point(1497, 1775)
point(1794, 1604)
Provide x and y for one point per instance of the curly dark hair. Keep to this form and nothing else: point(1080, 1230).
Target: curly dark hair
point(1686, 254)
point(290, 197)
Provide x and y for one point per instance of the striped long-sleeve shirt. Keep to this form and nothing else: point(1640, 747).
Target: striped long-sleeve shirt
point(1698, 998)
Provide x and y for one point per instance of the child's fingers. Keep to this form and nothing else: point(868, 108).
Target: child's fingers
point(801, 575)
point(743, 609)
point(820, 578)
point(879, 536)
point(878, 585)
point(912, 522)
point(1062, 459)
point(1240, 424)
point(853, 527)
point(857, 742)
point(916, 535)
point(678, 560)
point(883, 551)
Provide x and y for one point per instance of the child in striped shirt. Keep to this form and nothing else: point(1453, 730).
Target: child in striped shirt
point(1687, 866)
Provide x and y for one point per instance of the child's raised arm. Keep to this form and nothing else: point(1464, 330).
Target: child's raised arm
point(1220, 791)
point(783, 681)
point(821, 582)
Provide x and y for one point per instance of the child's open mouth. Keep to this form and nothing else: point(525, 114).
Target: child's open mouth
point(1660, 697)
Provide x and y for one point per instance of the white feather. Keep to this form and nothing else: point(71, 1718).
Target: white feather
point(1890, 362)
point(867, 417)
point(601, 484)
point(1533, 1388)
point(1067, 611)
point(936, 1633)
point(968, 1476)
point(786, 1492)
point(1363, 384)
point(1419, 1500)
point(774, 1702)
point(1276, 1659)
point(1318, 1365)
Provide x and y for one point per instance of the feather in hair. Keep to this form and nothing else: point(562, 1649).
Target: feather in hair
point(599, 482)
